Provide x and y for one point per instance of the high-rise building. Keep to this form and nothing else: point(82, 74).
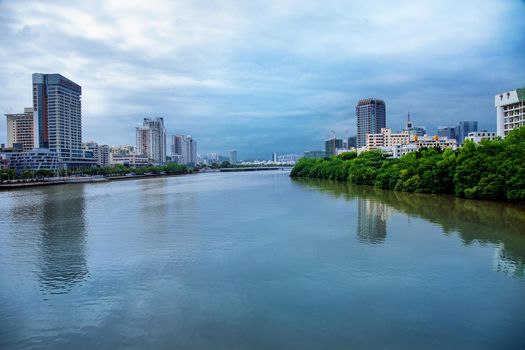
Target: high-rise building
point(447, 131)
point(463, 128)
point(184, 149)
point(151, 140)
point(352, 142)
point(510, 111)
point(332, 145)
point(100, 153)
point(233, 156)
point(57, 118)
point(20, 129)
point(371, 117)
point(274, 157)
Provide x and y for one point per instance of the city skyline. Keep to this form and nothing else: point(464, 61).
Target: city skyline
point(263, 78)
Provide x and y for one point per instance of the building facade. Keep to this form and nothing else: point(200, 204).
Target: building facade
point(386, 139)
point(20, 130)
point(463, 128)
point(477, 136)
point(151, 140)
point(57, 118)
point(100, 153)
point(371, 117)
point(332, 145)
point(447, 131)
point(510, 111)
point(314, 154)
point(233, 156)
point(37, 159)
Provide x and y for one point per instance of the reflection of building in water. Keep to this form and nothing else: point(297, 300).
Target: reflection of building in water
point(62, 226)
point(506, 263)
point(371, 220)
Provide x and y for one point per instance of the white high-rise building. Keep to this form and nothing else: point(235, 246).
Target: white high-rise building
point(151, 140)
point(184, 149)
point(510, 111)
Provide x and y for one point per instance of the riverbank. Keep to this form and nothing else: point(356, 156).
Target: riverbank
point(492, 170)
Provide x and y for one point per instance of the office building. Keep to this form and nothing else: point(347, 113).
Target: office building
point(151, 140)
point(510, 111)
point(352, 142)
point(184, 149)
point(463, 128)
point(371, 117)
point(477, 136)
point(233, 156)
point(57, 119)
point(20, 130)
point(274, 157)
point(34, 160)
point(332, 145)
point(100, 153)
point(447, 131)
point(314, 154)
point(386, 139)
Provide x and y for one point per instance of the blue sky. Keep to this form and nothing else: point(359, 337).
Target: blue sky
point(264, 76)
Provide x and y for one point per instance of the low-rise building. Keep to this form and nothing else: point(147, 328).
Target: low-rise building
point(130, 160)
point(435, 141)
point(37, 159)
point(386, 139)
point(477, 136)
point(314, 154)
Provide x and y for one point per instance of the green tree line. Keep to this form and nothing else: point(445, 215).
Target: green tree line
point(10, 175)
point(492, 170)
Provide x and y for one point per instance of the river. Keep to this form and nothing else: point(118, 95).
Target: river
point(257, 261)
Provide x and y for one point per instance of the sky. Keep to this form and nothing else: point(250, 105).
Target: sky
point(264, 76)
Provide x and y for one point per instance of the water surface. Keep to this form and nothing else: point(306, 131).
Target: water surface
point(257, 261)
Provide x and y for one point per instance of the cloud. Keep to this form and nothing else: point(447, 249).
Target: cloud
point(264, 75)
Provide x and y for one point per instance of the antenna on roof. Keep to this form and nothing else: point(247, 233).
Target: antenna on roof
point(409, 116)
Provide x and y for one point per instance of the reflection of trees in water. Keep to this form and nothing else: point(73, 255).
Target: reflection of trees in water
point(371, 220)
point(62, 226)
point(474, 221)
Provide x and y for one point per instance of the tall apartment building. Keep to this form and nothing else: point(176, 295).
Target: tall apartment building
point(20, 129)
point(57, 117)
point(371, 117)
point(510, 111)
point(151, 140)
point(184, 149)
point(233, 156)
point(464, 128)
point(386, 139)
point(100, 153)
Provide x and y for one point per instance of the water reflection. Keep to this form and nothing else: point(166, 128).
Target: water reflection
point(371, 220)
point(484, 222)
point(63, 239)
